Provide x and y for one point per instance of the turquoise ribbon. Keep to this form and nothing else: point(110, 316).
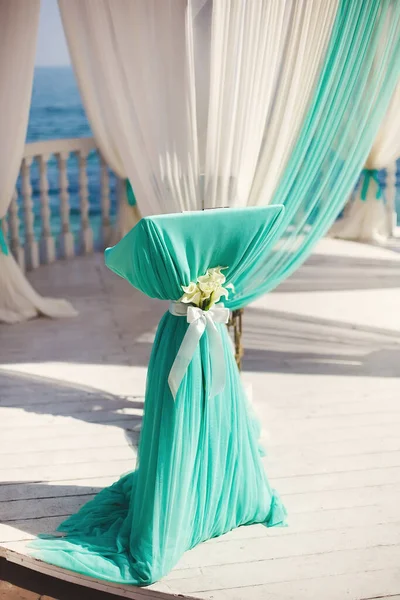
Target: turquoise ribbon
point(3, 243)
point(130, 194)
point(370, 175)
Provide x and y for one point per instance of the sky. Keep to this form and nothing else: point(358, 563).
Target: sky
point(51, 45)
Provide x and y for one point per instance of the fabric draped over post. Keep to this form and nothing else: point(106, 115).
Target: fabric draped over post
point(199, 470)
point(367, 217)
point(18, 29)
point(218, 104)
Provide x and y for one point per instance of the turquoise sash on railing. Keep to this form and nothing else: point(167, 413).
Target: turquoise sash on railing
point(370, 175)
point(130, 195)
point(3, 243)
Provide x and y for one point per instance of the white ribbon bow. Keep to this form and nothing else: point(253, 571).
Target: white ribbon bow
point(199, 322)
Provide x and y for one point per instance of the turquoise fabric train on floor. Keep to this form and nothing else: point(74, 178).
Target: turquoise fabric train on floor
point(199, 471)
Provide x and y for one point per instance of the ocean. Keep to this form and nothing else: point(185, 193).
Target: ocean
point(57, 112)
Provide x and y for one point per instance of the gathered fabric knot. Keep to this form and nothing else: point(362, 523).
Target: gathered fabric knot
point(199, 321)
point(368, 176)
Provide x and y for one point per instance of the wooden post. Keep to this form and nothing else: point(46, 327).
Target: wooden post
point(86, 233)
point(47, 244)
point(66, 237)
point(235, 321)
point(31, 245)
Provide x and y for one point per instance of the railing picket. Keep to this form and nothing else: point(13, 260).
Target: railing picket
point(31, 245)
point(86, 233)
point(66, 237)
point(14, 224)
point(47, 244)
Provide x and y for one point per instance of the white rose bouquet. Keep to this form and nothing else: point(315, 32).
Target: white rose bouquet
point(208, 289)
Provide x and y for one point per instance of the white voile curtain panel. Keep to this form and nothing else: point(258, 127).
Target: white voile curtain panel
point(198, 103)
point(367, 218)
point(18, 30)
point(97, 104)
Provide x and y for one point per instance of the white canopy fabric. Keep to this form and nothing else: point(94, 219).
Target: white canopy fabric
point(18, 29)
point(369, 219)
point(166, 89)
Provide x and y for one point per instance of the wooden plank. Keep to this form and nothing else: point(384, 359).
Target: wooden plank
point(291, 435)
point(365, 462)
point(62, 431)
point(331, 499)
point(81, 471)
point(340, 481)
point(72, 409)
point(24, 530)
point(55, 426)
point(47, 507)
point(111, 438)
point(100, 416)
point(330, 449)
point(45, 489)
point(290, 569)
point(69, 456)
point(360, 586)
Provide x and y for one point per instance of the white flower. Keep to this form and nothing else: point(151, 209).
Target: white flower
point(216, 295)
point(192, 294)
point(213, 275)
point(208, 290)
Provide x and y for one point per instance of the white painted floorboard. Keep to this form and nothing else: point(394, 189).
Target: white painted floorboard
point(325, 384)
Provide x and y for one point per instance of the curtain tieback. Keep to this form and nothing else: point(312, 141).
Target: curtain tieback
point(199, 321)
point(370, 175)
point(3, 243)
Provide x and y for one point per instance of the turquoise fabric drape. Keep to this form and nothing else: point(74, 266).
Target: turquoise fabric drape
point(360, 72)
point(199, 470)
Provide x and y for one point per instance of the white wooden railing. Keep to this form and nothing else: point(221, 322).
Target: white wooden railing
point(32, 249)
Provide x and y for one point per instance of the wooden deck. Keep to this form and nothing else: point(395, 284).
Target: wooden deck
point(323, 359)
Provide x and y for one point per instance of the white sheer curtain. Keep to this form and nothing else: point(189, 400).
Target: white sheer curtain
point(366, 217)
point(18, 29)
point(182, 93)
point(96, 102)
